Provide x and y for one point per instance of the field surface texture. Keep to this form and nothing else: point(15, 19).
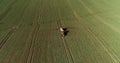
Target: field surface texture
point(29, 31)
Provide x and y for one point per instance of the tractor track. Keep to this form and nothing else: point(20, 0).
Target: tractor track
point(67, 49)
point(5, 39)
point(31, 49)
point(96, 38)
point(111, 54)
point(90, 11)
point(32, 45)
point(99, 18)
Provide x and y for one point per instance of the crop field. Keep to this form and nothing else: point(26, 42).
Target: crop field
point(29, 31)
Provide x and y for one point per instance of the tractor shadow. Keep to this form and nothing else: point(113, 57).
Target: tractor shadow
point(66, 31)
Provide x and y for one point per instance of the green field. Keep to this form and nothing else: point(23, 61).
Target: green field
point(29, 31)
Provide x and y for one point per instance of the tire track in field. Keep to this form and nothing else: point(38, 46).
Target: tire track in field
point(12, 30)
point(111, 54)
point(68, 52)
point(104, 22)
point(105, 48)
point(5, 39)
point(98, 17)
point(93, 35)
point(35, 35)
point(33, 41)
point(67, 49)
point(70, 5)
point(31, 48)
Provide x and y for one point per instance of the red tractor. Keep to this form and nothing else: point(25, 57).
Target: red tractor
point(62, 31)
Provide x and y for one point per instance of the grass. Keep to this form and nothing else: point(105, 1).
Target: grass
point(93, 36)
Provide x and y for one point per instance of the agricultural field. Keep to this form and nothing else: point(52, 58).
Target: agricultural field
point(29, 31)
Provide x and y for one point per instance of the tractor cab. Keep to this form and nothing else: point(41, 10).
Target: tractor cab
point(63, 31)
